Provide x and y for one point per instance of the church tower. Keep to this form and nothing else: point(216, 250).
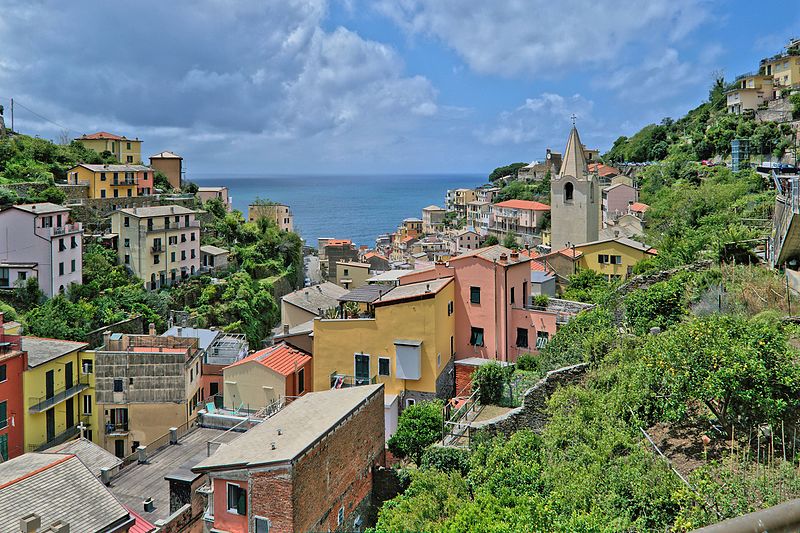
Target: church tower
point(574, 199)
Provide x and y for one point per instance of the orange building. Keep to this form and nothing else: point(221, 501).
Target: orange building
point(13, 362)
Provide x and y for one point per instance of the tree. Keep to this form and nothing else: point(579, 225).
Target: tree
point(510, 240)
point(419, 426)
point(741, 369)
point(59, 318)
point(507, 170)
point(588, 286)
point(489, 380)
point(661, 305)
point(446, 459)
point(161, 182)
point(490, 240)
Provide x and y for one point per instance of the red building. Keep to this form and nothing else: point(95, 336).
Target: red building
point(13, 361)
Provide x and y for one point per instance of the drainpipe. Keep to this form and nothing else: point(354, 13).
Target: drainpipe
point(496, 313)
point(505, 310)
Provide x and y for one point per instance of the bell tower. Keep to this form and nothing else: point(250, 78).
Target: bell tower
point(574, 198)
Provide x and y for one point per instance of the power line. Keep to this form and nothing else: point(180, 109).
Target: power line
point(17, 103)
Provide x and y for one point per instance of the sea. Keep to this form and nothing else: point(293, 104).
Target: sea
point(357, 207)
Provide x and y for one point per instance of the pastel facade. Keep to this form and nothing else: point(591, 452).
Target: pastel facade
point(204, 194)
point(466, 240)
point(432, 219)
point(160, 245)
point(521, 218)
point(351, 275)
point(784, 67)
point(306, 304)
point(478, 216)
point(126, 151)
point(171, 165)
point(749, 93)
point(280, 214)
point(113, 181)
point(38, 241)
point(617, 200)
point(612, 258)
point(56, 386)
point(213, 259)
point(13, 362)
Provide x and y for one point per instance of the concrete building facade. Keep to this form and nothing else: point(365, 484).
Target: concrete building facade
point(171, 165)
point(126, 151)
point(278, 213)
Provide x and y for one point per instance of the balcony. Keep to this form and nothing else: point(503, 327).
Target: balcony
point(64, 436)
point(124, 183)
point(343, 381)
point(171, 227)
point(118, 429)
point(156, 248)
point(66, 229)
point(38, 405)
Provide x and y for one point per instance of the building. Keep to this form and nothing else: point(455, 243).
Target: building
point(307, 468)
point(351, 275)
point(306, 304)
point(537, 171)
point(13, 362)
point(39, 241)
point(521, 218)
point(267, 377)
point(466, 240)
point(171, 165)
point(58, 394)
point(478, 216)
point(124, 150)
point(784, 67)
point(278, 213)
point(612, 258)
point(145, 384)
point(332, 251)
point(749, 92)
point(160, 245)
point(403, 340)
point(377, 262)
point(57, 491)
point(432, 219)
point(213, 259)
point(462, 197)
point(113, 181)
point(604, 172)
point(217, 350)
point(617, 200)
point(575, 199)
point(204, 194)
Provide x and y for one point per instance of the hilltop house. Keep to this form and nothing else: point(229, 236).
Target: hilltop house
point(126, 151)
point(171, 165)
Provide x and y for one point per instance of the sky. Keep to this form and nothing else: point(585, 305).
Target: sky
point(371, 86)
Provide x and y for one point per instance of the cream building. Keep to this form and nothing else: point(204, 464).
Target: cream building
point(351, 275)
point(160, 245)
point(279, 213)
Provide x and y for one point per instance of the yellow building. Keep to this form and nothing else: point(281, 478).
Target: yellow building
point(784, 67)
point(58, 389)
point(749, 92)
point(113, 181)
point(123, 149)
point(278, 213)
point(613, 258)
point(352, 275)
point(407, 344)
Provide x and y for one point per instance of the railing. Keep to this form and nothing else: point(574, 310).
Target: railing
point(124, 183)
point(782, 219)
point(162, 227)
point(116, 429)
point(456, 422)
point(68, 228)
point(62, 437)
point(42, 403)
point(156, 249)
point(342, 381)
point(159, 443)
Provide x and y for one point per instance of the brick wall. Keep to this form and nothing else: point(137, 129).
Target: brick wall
point(271, 497)
point(464, 379)
point(338, 471)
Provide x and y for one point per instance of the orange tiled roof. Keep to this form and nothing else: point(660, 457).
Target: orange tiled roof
point(524, 204)
point(603, 170)
point(338, 242)
point(639, 207)
point(102, 135)
point(569, 253)
point(281, 358)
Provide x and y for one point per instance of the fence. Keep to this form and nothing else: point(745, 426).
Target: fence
point(159, 443)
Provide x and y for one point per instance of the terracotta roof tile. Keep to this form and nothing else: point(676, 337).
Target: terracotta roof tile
point(102, 135)
point(281, 358)
point(524, 204)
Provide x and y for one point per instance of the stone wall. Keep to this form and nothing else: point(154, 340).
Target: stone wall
point(532, 413)
point(446, 382)
point(157, 377)
point(177, 522)
point(27, 188)
point(779, 110)
point(74, 192)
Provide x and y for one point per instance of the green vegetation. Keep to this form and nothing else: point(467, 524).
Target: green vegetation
point(507, 170)
point(490, 380)
point(517, 190)
point(419, 426)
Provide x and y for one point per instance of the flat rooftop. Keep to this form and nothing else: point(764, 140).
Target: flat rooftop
point(137, 482)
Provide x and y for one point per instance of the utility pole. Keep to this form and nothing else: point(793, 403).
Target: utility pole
point(12, 115)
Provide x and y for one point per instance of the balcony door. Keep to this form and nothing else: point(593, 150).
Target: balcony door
point(49, 384)
point(68, 376)
point(362, 368)
point(51, 424)
point(70, 404)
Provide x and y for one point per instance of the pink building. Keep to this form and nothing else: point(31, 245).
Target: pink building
point(38, 240)
point(521, 218)
point(616, 201)
point(494, 318)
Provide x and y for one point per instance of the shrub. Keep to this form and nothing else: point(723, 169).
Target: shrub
point(661, 305)
point(420, 425)
point(446, 459)
point(527, 361)
point(489, 380)
point(540, 300)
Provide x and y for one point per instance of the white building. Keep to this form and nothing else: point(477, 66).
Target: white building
point(38, 241)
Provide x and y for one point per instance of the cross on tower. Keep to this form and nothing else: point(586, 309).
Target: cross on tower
point(573, 117)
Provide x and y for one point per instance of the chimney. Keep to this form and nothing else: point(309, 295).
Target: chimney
point(616, 233)
point(503, 257)
point(172, 209)
point(59, 527)
point(286, 329)
point(180, 331)
point(151, 329)
point(428, 288)
point(30, 523)
point(106, 339)
point(514, 255)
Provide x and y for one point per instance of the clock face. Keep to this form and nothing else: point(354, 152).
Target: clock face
point(549, 156)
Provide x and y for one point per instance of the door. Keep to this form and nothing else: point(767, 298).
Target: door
point(49, 384)
point(70, 412)
point(68, 375)
point(4, 447)
point(51, 424)
point(119, 448)
point(362, 369)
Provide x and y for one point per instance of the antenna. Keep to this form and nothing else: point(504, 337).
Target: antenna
point(573, 117)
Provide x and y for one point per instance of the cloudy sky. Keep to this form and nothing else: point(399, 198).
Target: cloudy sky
point(362, 86)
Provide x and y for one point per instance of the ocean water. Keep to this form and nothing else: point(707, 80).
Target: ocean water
point(345, 207)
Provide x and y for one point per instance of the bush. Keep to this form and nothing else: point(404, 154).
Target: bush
point(541, 300)
point(489, 380)
point(446, 459)
point(527, 361)
point(420, 425)
point(661, 305)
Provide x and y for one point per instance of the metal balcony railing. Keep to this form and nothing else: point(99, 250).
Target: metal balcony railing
point(62, 437)
point(42, 403)
point(342, 381)
point(118, 428)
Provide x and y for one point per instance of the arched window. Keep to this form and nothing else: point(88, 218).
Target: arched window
point(61, 290)
point(569, 190)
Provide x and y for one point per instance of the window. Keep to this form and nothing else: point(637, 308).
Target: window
point(438, 360)
point(616, 259)
point(156, 259)
point(127, 259)
point(340, 516)
point(185, 220)
point(410, 402)
point(127, 243)
point(47, 222)
point(72, 266)
point(87, 366)
point(452, 346)
point(512, 295)
point(126, 222)
point(383, 366)
point(262, 525)
point(173, 239)
point(22, 276)
point(61, 269)
point(449, 308)
point(61, 245)
point(237, 500)
point(116, 193)
point(130, 193)
point(602, 259)
point(346, 272)
point(183, 237)
point(130, 381)
point(522, 337)
point(191, 374)
point(301, 381)
point(569, 192)
point(475, 295)
point(129, 147)
point(3, 373)
point(102, 176)
point(5, 278)
point(541, 339)
point(192, 235)
point(73, 242)
point(172, 256)
point(117, 385)
point(476, 337)
point(87, 404)
point(3, 414)
point(192, 254)
point(183, 255)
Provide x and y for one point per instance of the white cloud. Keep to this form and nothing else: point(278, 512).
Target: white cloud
point(539, 120)
point(539, 37)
